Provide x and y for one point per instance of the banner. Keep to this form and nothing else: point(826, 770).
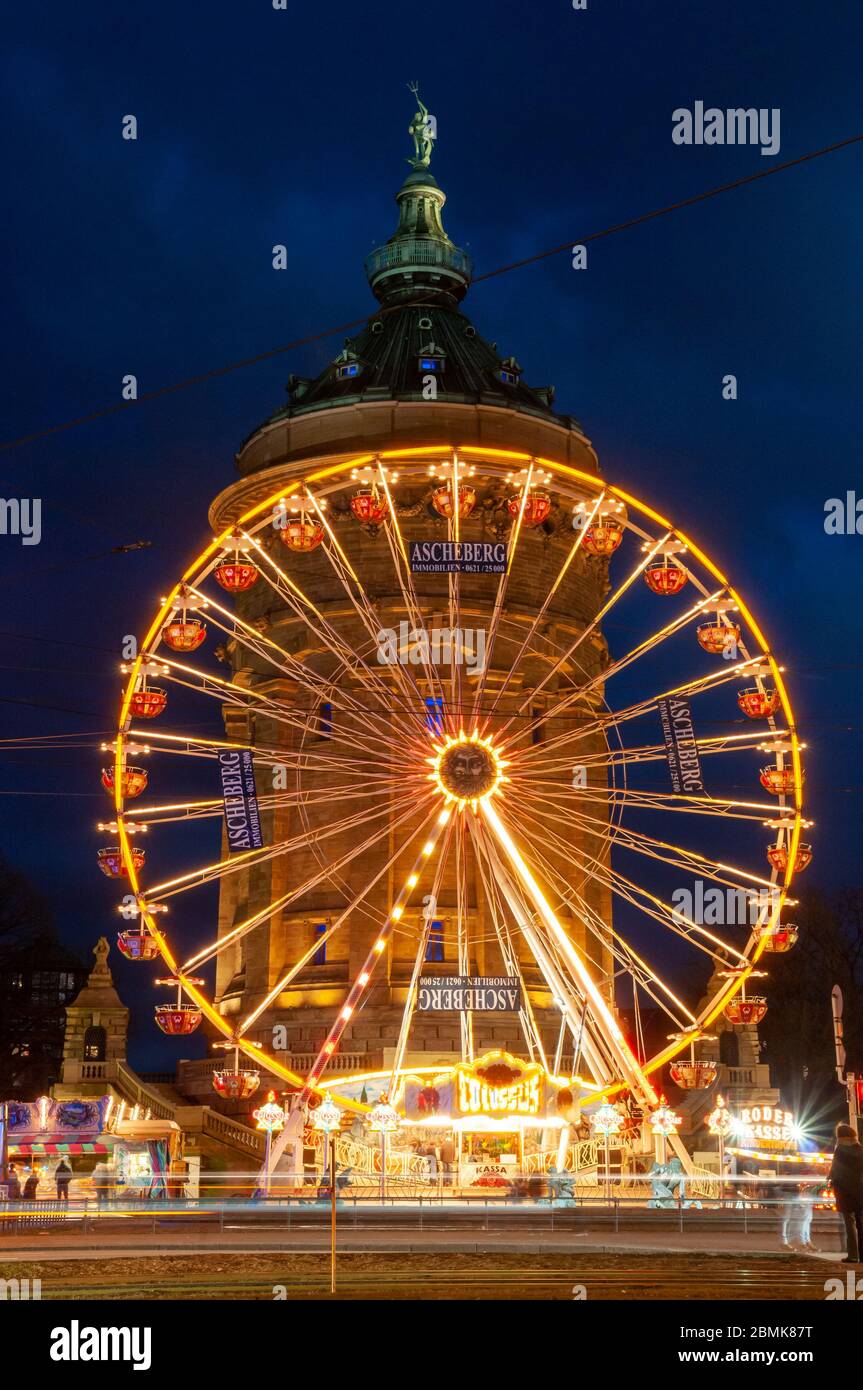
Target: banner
point(240, 797)
point(681, 749)
point(487, 994)
point(457, 557)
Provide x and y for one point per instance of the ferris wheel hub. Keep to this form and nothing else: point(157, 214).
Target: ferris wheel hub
point(468, 768)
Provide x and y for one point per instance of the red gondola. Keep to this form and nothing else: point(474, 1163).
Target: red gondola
point(717, 637)
point(758, 704)
point(369, 507)
point(777, 857)
point(137, 945)
point(184, 635)
point(443, 503)
point(749, 1010)
point(148, 703)
point(778, 939)
point(302, 535)
point(111, 861)
point(178, 1019)
point(665, 577)
point(537, 507)
point(779, 781)
point(132, 782)
point(603, 537)
point(236, 576)
point(236, 1085)
point(693, 1076)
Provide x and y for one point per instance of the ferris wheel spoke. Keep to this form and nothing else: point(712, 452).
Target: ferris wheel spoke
point(326, 689)
point(502, 586)
point(709, 746)
point(625, 837)
point(582, 692)
point(363, 979)
point(223, 868)
point(214, 808)
point(634, 965)
point(462, 942)
point(287, 589)
point(512, 900)
point(567, 656)
point(330, 932)
point(614, 718)
point(307, 759)
point(674, 919)
point(597, 1010)
point(419, 958)
point(404, 579)
point(242, 929)
point(509, 954)
point(537, 620)
point(249, 699)
point(360, 602)
point(679, 803)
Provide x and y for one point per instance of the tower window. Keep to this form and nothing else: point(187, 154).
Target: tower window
point(434, 945)
point(320, 956)
point(431, 364)
point(510, 378)
point(325, 719)
point(347, 369)
point(434, 714)
point(95, 1042)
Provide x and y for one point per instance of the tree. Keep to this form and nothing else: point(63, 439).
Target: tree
point(38, 976)
point(24, 913)
point(798, 1028)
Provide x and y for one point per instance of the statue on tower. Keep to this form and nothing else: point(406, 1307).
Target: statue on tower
point(423, 131)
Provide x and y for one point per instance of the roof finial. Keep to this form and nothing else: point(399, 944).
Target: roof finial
point(423, 130)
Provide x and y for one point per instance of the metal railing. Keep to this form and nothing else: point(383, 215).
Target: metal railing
point(413, 251)
point(406, 1207)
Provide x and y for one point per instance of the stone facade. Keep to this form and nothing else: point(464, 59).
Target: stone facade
point(97, 1025)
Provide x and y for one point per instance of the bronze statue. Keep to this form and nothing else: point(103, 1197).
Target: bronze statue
point(421, 130)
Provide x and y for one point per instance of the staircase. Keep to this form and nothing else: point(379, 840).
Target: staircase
point(216, 1135)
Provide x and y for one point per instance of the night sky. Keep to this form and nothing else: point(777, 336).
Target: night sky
point(257, 127)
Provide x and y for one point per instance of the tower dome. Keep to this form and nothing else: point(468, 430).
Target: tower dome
point(419, 350)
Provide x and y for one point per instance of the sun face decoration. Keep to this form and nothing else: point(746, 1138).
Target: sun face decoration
point(467, 769)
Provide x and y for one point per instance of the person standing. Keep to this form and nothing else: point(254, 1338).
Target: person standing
point(14, 1184)
point(846, 1179)
point(62, 1177)
point(31, 1184)
point(101, 1181)
point(447, 1160)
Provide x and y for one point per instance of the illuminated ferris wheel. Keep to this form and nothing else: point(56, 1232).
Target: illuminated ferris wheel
point(424, 722)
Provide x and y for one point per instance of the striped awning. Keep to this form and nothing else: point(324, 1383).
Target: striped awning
point(47, 1148)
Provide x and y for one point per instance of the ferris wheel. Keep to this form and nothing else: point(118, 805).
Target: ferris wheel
point(429, 722)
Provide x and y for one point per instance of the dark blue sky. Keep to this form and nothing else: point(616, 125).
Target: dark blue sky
point(259, 127)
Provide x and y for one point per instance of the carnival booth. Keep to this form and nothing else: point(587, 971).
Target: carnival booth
point(137, 1151)
point(494, 1113)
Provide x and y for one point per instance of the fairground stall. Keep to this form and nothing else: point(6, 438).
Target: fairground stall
point(136, 1155)
point(484, 1119)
